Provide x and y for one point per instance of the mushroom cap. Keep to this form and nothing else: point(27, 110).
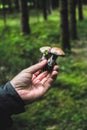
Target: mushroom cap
point(45, 49)
point(57, 51)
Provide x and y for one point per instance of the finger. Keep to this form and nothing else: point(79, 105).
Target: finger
point(36, 82)
point(36, 67)
point(35, 75)
point(54, 75)
point(56, 68)
point(40, 76)
point(45, 79)
point(50, 79)
point(48, 83)
point(55, 72)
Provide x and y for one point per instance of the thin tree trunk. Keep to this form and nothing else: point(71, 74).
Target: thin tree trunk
point(72, 12)
point(17, 5)
point(80, 11)
point(49, 6)
point(64, 25)
point(24, 17)
point(44, 9)
point(55, 3)
point(10, 6)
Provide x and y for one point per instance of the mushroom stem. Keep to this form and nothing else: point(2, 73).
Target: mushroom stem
point(51, 62)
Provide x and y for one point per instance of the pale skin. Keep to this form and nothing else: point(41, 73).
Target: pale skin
point(32, 83)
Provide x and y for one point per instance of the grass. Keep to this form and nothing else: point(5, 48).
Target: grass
point(64, 106)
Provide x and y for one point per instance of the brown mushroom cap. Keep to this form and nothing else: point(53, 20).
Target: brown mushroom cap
point(57, 51)
point(45, 48)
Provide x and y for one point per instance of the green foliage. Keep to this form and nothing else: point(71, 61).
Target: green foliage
point(16, 52)
point(64, 107)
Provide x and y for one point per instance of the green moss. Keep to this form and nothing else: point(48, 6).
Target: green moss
point(65, 105)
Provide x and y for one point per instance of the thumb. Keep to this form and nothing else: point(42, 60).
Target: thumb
point(36, 67)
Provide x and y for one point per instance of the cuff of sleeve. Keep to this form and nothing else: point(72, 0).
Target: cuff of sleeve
point(13, 102)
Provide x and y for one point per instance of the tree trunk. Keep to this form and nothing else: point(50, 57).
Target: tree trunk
point(44, 6)
point(72, 12)
point(17, 5)
point(64, 25)
point(24, 17)
point(85, 1)
point(55, 3)
point(80, 11)
point(10, 6)
point(49, 6)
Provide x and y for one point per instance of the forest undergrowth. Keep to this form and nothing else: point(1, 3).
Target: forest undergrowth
point(64, 107)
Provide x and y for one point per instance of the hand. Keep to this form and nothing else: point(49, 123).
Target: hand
point(31, 83)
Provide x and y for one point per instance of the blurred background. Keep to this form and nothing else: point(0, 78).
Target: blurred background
point(27, 25)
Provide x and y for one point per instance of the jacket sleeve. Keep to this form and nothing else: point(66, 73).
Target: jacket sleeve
point(10, 103)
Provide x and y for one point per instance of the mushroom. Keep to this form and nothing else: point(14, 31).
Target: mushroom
point(45, 52)
point(55, 52)
point(51, 54)
point(45, 49)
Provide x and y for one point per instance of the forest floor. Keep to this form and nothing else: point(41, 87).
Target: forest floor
point(80, 50)
point(64, 107)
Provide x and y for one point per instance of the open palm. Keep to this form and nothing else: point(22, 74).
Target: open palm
point(31, 83)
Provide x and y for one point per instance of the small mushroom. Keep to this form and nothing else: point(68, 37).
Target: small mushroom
point(51, 54)
point(45, 49)
point(55, 52)
point(45, 52)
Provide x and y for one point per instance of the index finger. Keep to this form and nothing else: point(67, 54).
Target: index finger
point(36, 67)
